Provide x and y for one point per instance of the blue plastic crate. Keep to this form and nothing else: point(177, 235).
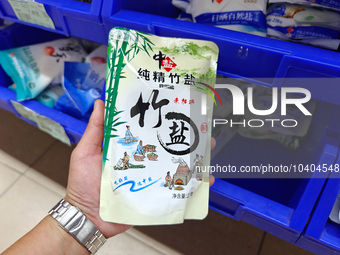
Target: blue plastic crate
point(253, 58)
point(74, 128)
point(18, 35)
point(70, 17)
point(322, 236)
point(279, 206)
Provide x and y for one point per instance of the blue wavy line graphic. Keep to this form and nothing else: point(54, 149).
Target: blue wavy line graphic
point(133, 184)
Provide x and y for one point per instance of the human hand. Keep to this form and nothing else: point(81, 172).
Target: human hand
point(83, 188)
point(211, 177)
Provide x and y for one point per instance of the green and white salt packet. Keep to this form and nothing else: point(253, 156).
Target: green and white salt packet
point(34, 67)
point(158, 109)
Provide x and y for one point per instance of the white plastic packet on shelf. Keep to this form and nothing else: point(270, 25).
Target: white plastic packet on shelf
point(334, 5)
point(183, 5)
point(50, 95)
point(33, 68)
point(84, 82)
point(64, 104)
point(185, 17)
point(304, 24)
point(97, 56)
point(238, 15)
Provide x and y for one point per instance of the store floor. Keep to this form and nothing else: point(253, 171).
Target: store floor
point(33, 177)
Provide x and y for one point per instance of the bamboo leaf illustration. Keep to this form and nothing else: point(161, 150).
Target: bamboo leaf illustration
point(121, 50)
point(149, 46)
point(110, 136)
point(119, 123)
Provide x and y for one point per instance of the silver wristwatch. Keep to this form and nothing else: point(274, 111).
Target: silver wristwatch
point(71, 219)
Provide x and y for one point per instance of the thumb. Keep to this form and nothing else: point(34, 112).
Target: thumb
point(91, 141)
point(211, 180)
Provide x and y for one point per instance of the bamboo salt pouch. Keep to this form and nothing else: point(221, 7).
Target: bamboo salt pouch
point(159, 100)
point(32, 68)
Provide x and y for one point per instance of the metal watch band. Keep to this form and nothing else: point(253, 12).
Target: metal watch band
point(81, 228)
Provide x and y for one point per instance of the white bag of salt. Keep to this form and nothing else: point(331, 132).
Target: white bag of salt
point(159, 101)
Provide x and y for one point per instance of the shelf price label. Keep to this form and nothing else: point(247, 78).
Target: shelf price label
point(45, 124)
point(31, 12)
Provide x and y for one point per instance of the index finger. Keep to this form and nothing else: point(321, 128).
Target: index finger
point(94, 133)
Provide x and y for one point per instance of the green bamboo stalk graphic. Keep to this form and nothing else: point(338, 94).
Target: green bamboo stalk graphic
point(123, 50)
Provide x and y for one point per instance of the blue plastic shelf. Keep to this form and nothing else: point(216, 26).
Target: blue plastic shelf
point(279, 206)
point(322, 236)
point(253, 58)
point(18, 35)
point(74, 128)
point(70, 17)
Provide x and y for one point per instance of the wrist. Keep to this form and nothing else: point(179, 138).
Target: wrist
point(84, 209)
point(73, 222)
point(65, 241)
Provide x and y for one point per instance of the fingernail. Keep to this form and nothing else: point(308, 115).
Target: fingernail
point(95, 104)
